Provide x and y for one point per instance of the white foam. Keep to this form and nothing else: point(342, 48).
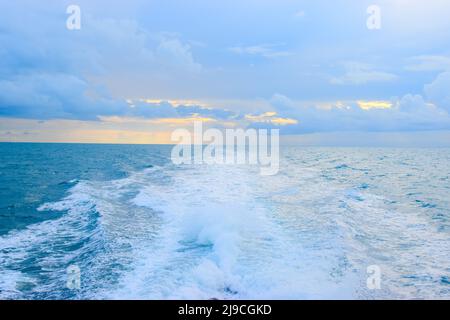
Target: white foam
point(219, 240)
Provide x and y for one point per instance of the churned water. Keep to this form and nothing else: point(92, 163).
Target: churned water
point(138, 226)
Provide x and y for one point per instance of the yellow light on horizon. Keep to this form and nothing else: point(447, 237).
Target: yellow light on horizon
point(175, 102)
point(367, 105)
point(269, 117)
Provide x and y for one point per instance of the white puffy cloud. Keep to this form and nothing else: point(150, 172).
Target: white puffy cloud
point(408, 113)
point(357, 73)
point(439, 91)
point(173, 52)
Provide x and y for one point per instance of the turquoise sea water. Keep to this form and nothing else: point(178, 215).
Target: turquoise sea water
point(138, 226)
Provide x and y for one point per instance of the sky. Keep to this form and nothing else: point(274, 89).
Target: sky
point(137, 70)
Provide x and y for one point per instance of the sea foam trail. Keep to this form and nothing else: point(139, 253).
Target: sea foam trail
point(196, 232)
point(192, 232)
point(219, 240)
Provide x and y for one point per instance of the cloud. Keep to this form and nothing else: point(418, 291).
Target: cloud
point(263, 50)
point(428, 63)
point(54, 95)
point(357, 73)
point(408, 113)
point(171, 122)
point(49, 72)
point(173, 52)
point(300, 14)
point(367, 105)
point(121, 55)
point(154, 108)
point(270, 118)
point(439, 91)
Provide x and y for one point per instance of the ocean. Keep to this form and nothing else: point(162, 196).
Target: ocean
point(139, 227)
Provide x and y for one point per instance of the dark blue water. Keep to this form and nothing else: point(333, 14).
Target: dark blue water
point(32, 174)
